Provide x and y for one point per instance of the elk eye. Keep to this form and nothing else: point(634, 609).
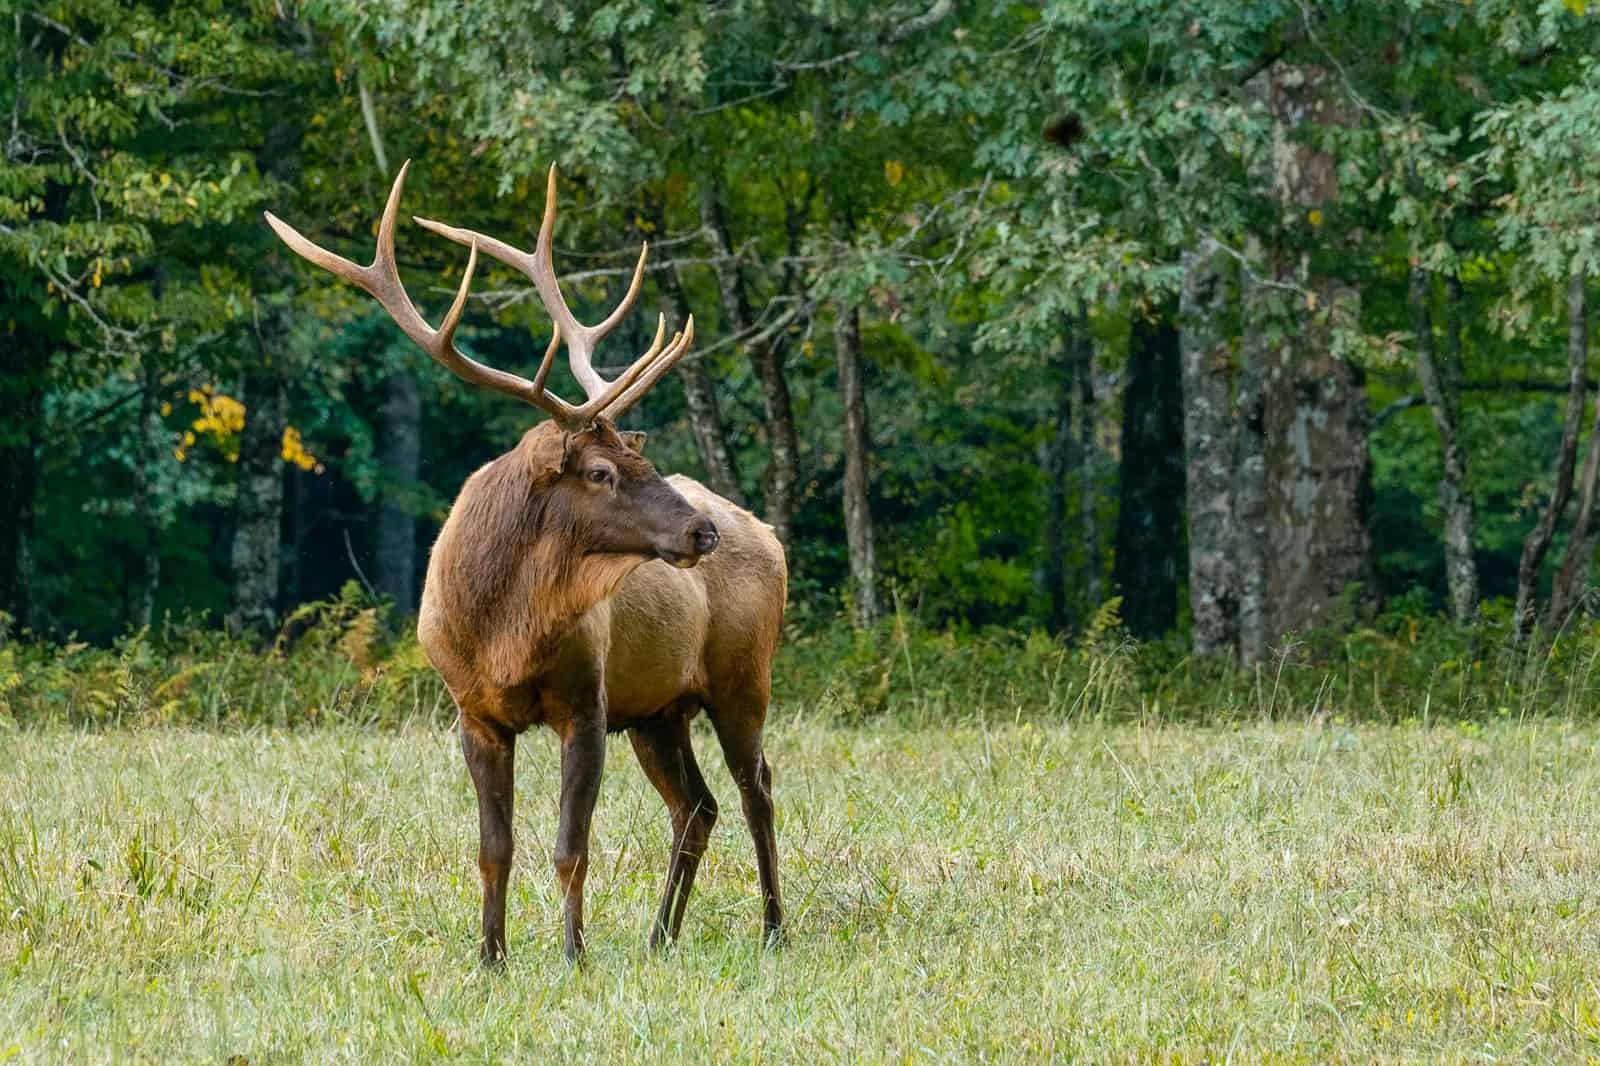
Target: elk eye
point(599, 475)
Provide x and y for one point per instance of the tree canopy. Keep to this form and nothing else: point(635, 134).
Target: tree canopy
point(1005, 221)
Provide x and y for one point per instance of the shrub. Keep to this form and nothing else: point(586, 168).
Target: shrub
point(342, 661)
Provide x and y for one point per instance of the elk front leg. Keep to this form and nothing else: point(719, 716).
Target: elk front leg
point(583, 757)
point(490, 749)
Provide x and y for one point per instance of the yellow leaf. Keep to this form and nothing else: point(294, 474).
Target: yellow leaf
point(1578, 7)
point(893, 171)
point(1314, 217)
point(293, 450)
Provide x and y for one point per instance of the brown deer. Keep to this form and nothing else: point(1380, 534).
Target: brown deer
point(572, 586)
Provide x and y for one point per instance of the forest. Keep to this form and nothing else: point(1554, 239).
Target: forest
point(1178, 419)
point(1249, 319)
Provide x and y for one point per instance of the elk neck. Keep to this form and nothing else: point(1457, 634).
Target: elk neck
point(511, 575)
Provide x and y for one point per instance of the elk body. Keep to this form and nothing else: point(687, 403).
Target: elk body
point(574, 587)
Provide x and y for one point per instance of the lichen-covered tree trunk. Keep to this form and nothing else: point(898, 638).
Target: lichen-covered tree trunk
point(709, 430)
point(1573, 572)
point(146, 455)
point(1441, 387)
point(1318, 494)
point(1250, 480)
point(258, 509)
point(857, 457)
point(400, 456)
point(767, 356)
point(1209, 451)
point(705, 414)
point(1318, 474)
point(1150, 509)
point(782, 439)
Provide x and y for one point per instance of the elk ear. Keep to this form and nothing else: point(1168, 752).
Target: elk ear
point(633, 439)
point(547, 453)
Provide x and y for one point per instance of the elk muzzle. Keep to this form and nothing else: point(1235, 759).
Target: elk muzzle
point(698, 540)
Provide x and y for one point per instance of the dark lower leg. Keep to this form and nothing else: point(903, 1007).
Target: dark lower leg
point(583, 755)
point(758, 815)
point(489, 751)
point(741, 745)
point(665, 754)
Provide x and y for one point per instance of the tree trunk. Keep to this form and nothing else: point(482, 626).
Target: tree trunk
point(705, 414)
point(1250, 480)
point(1318, 478)
point(1058, 459)
point(783, 472)
point(19, 481)
point(857, 454)
point(146, 454)
point(710, 434)
point(1574, 576)
point(400, 456)
point(1150, 509)
point(1441, 386)
point(1208, 452)
point(21, 432)
point(259, 507)
point(1538, 540)
point(783, 440)
point(1088, 479)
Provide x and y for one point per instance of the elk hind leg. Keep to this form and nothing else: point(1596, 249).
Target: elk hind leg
point(667, 758)
point(738, 723)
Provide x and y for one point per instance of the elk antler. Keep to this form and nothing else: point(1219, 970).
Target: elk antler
point(609, 398)
point(381, 279)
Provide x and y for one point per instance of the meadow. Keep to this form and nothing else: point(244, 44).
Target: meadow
point(1033, 890)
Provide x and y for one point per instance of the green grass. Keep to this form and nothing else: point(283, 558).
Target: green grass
point(1303, 892)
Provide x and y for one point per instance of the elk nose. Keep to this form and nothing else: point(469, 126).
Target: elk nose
point(705, 537)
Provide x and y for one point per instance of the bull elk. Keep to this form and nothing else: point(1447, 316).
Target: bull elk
point(573, 586)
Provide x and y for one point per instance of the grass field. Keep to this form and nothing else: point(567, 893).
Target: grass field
point(1018, 893)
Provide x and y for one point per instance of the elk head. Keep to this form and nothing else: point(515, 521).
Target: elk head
point(597, 490)
point(610, 496)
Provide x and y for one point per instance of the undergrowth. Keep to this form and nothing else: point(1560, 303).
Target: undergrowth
point(348, 661)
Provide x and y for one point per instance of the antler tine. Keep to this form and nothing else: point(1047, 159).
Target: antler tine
point(604, 398)
point(381, 280)
point(665, 362)
point(598, 404)
point(540, 269)
point(581, 339)
point(548, 361)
